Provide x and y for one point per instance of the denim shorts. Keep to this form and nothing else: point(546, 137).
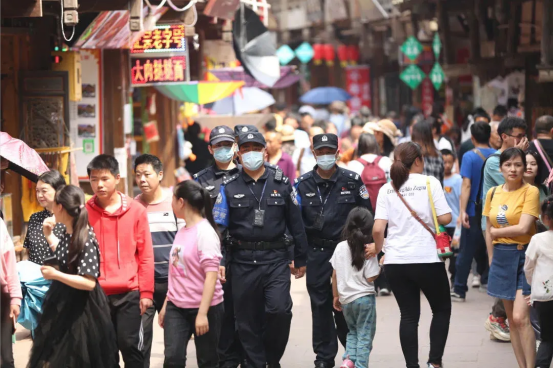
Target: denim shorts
point(506, 274)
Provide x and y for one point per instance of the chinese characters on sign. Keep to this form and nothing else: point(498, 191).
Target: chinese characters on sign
point(162, 39)
point(158, 70)
point(358, 85)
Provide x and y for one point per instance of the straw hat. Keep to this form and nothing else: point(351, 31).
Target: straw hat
point(389, 129)
point(287, 133)
point(371, 127)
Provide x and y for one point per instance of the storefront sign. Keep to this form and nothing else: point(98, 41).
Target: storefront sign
point(162, 39)
point(158, 70)
point(411, 48)
point(437, 76)
point(86, 115)
point(436, 45)
point(412, 76)
point(358, 85)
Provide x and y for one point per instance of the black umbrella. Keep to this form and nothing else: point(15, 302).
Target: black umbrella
point(254, 47)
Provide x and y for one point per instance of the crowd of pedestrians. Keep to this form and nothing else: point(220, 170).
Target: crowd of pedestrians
point(358, 205)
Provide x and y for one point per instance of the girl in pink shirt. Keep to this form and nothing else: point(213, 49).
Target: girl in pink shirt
point(11, 294)
point(194, 303)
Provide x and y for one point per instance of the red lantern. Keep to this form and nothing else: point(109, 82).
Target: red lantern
point(343, 55)
point(318, 53)
point(353, 54)
point(329, 54)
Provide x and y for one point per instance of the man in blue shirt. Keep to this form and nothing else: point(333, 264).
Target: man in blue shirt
point(473, 244)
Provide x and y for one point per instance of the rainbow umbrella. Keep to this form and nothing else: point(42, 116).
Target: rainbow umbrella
point(200, 92)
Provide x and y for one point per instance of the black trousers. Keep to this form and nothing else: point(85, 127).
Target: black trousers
point(179, 325)
point(545, 352)
point(230, 349)
point(160, 293)
point(125, 314)
point(6, 330)
point(407, 281)
point(263, 308)
point(328, 324)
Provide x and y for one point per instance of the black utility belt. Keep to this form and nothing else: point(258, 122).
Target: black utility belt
point(258, 246)
point(321, 242)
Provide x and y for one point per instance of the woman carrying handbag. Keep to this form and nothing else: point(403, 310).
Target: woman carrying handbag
point(413, 249)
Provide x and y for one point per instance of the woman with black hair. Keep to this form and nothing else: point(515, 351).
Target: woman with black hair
point(412, 265)
point(533, 168)
point(511, 211)
point(433, 162)
point(75, 329)
point(35, 242)
point(194, 303)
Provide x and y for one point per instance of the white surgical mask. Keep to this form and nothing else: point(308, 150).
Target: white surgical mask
point(253, 160)
point(223, 154)
point(326, 162)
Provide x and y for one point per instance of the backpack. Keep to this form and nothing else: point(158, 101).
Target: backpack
point(373, 178)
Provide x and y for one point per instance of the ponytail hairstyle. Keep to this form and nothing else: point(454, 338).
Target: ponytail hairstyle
point(358, 232)
point(547, 208)
point(404, 157)
point(198, 198)
point(71, 198)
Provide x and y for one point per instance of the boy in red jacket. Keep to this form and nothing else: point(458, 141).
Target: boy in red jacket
point(126, 255)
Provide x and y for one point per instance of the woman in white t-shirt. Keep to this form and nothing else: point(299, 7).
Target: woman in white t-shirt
point(411, 260)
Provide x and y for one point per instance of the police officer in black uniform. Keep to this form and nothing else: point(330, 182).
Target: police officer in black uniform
point(326, 195)
point(258, 205)
point(222, 146)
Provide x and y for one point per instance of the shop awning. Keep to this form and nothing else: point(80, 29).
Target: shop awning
point(200, 92)
point(288, 77)
point(110, 30)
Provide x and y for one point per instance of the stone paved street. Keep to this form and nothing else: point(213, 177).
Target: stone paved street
point(468, 344)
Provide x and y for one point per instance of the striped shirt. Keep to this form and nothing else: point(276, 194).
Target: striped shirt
point(163, 227)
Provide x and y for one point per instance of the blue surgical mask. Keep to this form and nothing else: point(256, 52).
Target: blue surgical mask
point(252, 160)
point(326, 162)
point(224, 154)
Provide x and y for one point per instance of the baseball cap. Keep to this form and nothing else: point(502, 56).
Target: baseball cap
point(221, 134)
point(325, 140)
point(306, 109)
point(244, 128)
point(248, 137)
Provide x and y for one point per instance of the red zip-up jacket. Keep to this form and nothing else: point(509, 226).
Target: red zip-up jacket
point(126, 252)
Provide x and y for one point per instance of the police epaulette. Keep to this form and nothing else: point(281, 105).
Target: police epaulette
point(278, 175)
point(200, 173)
point(230, 179)
point(349, 174)
point(286, 180)
point(304, 177)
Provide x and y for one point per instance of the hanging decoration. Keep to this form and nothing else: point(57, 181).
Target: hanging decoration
point(318, 53)
point(343, 55)
point(353, 54)
point(329, 54)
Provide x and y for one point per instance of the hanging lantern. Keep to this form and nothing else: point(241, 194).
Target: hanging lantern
point(318, 53)
point(353, 54)
point(343, 55)
point(329, 54)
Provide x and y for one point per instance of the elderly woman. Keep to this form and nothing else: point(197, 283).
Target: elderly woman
point(35, 242)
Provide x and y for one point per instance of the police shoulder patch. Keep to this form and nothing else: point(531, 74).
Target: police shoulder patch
point(278, 175)
point(293, 196)
point(285, 179)
point(363, 192)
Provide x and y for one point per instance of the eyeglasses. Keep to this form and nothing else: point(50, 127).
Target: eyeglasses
point(519, 137)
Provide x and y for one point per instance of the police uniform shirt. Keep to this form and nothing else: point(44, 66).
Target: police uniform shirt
point(212, 177)
point(344, 190)
point(235, 208)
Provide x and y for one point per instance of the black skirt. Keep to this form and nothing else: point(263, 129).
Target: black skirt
point(75, 330)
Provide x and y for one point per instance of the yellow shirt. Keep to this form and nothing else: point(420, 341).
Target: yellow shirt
point(505, 209)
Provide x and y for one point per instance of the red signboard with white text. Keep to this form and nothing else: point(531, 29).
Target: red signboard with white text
point(158, 70)
point(358, 85)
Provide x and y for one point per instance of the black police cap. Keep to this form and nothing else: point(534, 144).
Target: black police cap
point(248, 137)
point(221, 134)
point(325, 140)
point(241, 128)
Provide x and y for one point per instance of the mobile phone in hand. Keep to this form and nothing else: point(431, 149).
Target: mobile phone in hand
point(52, 261)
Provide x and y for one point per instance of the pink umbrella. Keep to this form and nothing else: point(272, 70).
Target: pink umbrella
point(23, 159)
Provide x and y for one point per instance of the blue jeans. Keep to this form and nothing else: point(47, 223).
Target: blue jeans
point(473, 246)
point(360, 315)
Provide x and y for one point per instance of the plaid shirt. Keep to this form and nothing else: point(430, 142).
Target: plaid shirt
point(434, 166)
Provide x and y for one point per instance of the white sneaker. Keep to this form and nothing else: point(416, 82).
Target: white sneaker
point(476, 281)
